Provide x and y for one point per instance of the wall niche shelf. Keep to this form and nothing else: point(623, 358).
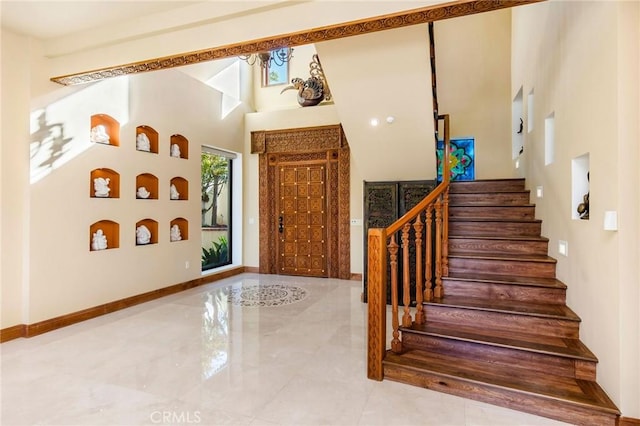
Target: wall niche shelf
point(100, 177)
point(146, 139)
point(183, 226)
point(150, 184)
point(152, 226)
point(105, 130)
point(183, 145)
point(111, 231)
point(580, 186)
point(182, 186)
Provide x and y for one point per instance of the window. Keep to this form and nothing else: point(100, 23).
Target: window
point(216, 207)
point(276, 71)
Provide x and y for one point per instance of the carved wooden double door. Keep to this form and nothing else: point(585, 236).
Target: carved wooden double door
point(302, 221)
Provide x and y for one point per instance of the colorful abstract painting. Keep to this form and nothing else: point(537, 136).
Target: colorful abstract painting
point(461, 157)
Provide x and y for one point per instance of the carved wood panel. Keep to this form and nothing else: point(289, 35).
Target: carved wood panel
point(384, 203)
point(302, 220)
point(322, 144)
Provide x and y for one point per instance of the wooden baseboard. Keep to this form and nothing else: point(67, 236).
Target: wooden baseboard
point(356, 277)
point(252, 269)
point(13, 332)
point(30, 330)
point(628, 421)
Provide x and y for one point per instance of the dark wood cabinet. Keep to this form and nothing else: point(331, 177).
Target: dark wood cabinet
point(384, 203)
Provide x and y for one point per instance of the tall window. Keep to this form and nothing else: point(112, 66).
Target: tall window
point(216, 207)
point(277, 70)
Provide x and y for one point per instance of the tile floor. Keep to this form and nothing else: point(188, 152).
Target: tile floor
point(248, 350)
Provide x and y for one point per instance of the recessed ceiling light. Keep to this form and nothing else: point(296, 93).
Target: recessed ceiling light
point(391, 119)
point(374, 122)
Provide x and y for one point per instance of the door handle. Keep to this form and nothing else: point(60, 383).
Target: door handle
point(281, 225)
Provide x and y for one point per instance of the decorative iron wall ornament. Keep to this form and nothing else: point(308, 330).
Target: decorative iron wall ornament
point(385, 22)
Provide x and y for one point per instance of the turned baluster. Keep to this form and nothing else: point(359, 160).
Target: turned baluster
point(406, 277)
point(437, 293)
point(396, 344)
point(445, 234)
point(417, 226)
point(428, 275)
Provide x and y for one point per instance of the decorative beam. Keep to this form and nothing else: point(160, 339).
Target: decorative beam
point(380, 23)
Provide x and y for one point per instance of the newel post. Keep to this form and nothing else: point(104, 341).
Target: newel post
point(377, 300)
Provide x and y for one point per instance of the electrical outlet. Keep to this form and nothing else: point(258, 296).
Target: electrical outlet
point(186, 264)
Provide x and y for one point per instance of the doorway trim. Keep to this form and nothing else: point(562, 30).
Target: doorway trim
point(326, 143)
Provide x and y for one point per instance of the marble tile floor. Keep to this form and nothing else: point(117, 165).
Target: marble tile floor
point(248, 350)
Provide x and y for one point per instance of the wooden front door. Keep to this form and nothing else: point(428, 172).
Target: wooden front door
point(302, 220)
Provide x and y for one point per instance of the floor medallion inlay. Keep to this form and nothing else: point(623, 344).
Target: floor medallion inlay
point(267, 295)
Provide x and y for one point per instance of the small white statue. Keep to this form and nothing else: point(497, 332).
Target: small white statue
point(99, 134)
point(175, 233)
point(99, 241)
point(142, 192)
point(175, 150)
point(101, 187)
point(143, 235)
point(142, 142)
point(174, 194)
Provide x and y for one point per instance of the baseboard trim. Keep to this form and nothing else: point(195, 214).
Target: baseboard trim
point(252, 269)
point(628, 421)
point(13, 332)
point(356, 277)
point(30, 330)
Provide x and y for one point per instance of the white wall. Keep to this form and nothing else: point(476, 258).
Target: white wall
point(61, 267)
point(14, 178)
point(581, 59)
point(473, 77)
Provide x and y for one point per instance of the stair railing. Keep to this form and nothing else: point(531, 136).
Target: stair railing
point(430, 255)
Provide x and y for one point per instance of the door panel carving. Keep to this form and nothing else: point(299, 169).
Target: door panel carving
point(303, 248)
point(325, 146)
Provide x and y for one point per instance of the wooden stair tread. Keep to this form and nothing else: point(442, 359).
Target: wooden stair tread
point(504, 279)
point(549, 345)
point(498, 237)
point(498, 256)
point(508, 306)
point(574, 391)
point(491, 219)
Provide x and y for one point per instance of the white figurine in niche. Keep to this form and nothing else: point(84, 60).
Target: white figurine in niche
point(174, 194)
point(142, 142)
point(99, 241)
point(175, 150)
point(143, 235)
point(99, 134)
point(101, 187)
point(175, 233)
point(142, 192)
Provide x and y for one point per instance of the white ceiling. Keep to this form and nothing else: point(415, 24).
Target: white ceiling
point(51, 19)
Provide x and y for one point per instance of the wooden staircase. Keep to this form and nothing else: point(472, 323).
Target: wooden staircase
point(502, 332)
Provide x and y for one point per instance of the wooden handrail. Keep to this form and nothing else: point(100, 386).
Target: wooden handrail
point(383, 255)
point(433, 195)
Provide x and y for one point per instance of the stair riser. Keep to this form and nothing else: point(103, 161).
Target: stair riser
point(551, 408)
point(502, 321)
point(488, 186)
point(494, 229)
point(492, 212)
point(502, 267)
point(489, 198)
point(500, 291)
point(507, 357)
point(478, 245)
